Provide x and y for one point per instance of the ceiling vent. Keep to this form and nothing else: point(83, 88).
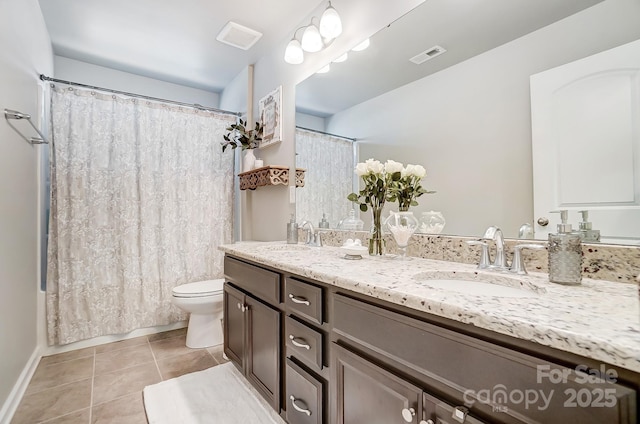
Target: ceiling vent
point(427, 54)
point(239, 36)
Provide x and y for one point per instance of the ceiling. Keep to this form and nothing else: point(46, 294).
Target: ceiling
point(170, 40)
point(465, 28)
point(176, 41)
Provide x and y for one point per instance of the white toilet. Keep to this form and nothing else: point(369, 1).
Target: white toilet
point(203, 300)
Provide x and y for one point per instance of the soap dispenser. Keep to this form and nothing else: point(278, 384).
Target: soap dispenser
point(587, 233)
point(324, 223)
point(565, 254)
point(292, 231)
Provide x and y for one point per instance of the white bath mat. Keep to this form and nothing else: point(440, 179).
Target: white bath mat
point(218, 395)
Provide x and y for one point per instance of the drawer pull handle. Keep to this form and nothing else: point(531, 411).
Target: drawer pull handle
point(297, 408)
point(408, 414)
point(298, 344)
point(300, 300)
point(427, 422)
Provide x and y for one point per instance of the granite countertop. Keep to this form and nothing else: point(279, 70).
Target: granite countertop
point(598, 319)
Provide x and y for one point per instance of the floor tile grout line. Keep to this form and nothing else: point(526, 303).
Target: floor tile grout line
point(55, 387)
point(48, 420)
point(155, 360)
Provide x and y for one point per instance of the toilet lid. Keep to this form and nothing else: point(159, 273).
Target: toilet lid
point(199, 288)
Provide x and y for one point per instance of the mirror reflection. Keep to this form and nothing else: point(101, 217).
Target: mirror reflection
point(464, 114)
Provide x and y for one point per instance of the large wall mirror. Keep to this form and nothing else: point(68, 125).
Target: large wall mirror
point(464, 113)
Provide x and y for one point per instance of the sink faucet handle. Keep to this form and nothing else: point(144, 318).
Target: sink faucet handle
point(485, 262)
point(517, 266)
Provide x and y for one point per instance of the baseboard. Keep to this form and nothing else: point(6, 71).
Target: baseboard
point(11, 404)
point(52, 350)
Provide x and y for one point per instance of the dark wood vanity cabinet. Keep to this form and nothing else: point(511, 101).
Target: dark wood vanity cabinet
point(463, 378)
point(366, 393)
point(320, 354)
point(252, 330)
point(305, 340)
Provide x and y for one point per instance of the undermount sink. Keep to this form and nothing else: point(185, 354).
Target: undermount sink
point(480, 284)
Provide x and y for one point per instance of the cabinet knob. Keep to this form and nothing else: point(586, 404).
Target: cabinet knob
point(427, 422)
point(242, 307)
point(297, 408)
point(298, 344)
point(408, 414)
point(300, 300)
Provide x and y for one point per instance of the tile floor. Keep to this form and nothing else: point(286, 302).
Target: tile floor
point(103, 384)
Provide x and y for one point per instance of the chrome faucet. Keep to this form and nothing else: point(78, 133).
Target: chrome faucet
point(495, 234)
point(313, 237)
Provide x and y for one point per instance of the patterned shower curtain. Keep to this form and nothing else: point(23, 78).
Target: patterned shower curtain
point(141, 199)
point(328, 180)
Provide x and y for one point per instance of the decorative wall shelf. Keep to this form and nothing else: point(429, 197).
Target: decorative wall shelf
point(269, 175)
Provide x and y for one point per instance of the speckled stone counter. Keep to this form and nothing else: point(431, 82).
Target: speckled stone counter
point(598, 319)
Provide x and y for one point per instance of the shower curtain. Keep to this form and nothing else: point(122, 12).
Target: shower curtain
point(141, 198)
point(329, 164)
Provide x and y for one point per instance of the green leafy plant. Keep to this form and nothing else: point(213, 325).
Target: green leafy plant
point(239, 136)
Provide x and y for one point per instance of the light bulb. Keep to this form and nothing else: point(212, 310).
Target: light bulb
point(330, 23)
point(341, 58)
point(361, 46)
point(293, 53)
point(311, 39)
point(324, 69)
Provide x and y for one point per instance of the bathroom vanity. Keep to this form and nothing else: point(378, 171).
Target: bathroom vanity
point(328, 340)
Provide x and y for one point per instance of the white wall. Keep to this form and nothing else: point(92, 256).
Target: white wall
point(86, 73)
point(268, 208)
point(310, 122)
point(234, 96)
point(25, 53)
point(470, 125)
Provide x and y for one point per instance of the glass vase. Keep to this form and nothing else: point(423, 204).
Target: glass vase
point(376, 242)
point(401, 225)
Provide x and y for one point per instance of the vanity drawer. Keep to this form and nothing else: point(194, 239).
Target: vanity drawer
point(304, 396)
point(467, 368)
point(304, 299)
point(262, 283)
point(303, 342)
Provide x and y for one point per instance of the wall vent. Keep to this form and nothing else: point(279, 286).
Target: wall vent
point(427, 54)
point(239, 36)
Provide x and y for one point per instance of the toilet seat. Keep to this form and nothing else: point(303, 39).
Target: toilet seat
point(199, 289)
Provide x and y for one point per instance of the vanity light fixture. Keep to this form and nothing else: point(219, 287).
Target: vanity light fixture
point(314, 37)
point(311, 39)
point(361, 46)
point(293, 54)
point(330, 23)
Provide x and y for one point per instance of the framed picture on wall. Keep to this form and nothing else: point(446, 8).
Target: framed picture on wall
point(270, 110)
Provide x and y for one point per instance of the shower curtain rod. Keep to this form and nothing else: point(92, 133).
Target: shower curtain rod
point(326, 133)
point(141, 96)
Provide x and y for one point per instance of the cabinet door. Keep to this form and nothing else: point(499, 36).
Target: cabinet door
point(263, 359)
point(367, 393)
point(234, 325)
